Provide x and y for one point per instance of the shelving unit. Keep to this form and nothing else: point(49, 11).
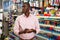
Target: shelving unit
point(49, 29)
point(48, 5)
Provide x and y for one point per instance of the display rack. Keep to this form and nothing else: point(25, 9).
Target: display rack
point(49, 29)
point(50, 32)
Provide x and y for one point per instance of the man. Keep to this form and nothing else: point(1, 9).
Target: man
point(26, 25)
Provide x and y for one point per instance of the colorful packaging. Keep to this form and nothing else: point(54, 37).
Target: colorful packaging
point(45, 3)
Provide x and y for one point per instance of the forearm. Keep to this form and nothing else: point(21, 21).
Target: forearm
point(27, 31)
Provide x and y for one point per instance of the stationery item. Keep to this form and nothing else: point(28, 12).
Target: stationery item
point(36, 3)
point(55, 23)
point(58, 38)
point(51, 28)
point(47, 22)
point(58, 13)
point(45, 3)
point(41, 3)
point(51, 2)
point(47, 14)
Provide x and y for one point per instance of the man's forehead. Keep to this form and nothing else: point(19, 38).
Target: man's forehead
point(25, 4)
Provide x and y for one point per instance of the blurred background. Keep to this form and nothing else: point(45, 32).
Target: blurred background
point(47, 12)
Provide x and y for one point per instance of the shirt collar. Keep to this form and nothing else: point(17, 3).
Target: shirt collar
point(29, 15)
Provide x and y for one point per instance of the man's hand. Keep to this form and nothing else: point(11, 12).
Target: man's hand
point(21, 32)
point(33, 30)
point(27, 31)
point(30, 30)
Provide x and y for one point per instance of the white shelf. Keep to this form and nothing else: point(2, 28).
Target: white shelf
point(46, 25)
point(46, 31)
point(57, 29)
point(0, 24)
point(47, 17)
point(42, 37)
point(1, 16)
point(57, 34)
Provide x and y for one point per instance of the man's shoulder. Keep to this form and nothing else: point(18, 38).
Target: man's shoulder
point(33, 16)
point(20, 16)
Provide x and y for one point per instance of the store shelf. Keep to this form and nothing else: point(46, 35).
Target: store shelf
point(46, 31)
point(57, 34)
point(48, 17)
point(47, 25)
point(57, 27)
point(0, 24)
point(42, 37)
point(54, 33)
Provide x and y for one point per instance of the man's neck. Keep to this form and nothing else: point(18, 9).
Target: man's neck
point(27, 14)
